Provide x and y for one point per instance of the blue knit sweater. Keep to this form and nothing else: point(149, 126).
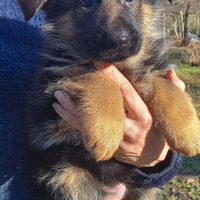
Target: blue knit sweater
point(19, 45)
point(19, 50)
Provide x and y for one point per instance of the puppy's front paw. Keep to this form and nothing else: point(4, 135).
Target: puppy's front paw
point(185, 137)
point(103, 136)
point(99, 104)
point(175, 117)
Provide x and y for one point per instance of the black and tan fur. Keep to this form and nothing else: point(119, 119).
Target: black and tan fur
point(77, 34)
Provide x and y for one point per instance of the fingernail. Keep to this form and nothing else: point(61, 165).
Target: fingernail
point(173, 73)
point(57, 93)
point(54, 105)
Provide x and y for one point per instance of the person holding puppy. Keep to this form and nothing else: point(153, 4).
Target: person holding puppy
point(143, 146)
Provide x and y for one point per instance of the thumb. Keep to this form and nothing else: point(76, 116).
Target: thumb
point(171, 76)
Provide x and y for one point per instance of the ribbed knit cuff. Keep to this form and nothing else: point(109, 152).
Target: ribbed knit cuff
point(160, 174)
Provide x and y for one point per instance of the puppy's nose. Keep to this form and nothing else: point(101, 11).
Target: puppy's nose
point(118, 40)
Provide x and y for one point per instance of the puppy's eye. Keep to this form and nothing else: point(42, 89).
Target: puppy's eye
point(85, 3)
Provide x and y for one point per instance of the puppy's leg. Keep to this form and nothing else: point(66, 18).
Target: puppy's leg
point(175, 117)
point(100, 107)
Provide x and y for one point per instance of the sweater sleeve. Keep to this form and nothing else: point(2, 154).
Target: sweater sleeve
point(161, 173)
point(19, 52)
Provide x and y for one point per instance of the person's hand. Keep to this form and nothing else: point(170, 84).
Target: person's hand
point(139, 134)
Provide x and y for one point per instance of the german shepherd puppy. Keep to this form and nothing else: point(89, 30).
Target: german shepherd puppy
point(128, 33)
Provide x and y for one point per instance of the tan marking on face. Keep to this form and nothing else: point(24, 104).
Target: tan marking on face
point(148, 16)
point(111, 8)
point(148, 23)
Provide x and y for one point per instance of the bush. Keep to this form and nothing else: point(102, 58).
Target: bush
point(191, 54)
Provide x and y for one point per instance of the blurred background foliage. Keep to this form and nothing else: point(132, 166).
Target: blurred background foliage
point(182, 31)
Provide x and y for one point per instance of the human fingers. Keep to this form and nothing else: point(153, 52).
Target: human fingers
point(140, 152)
point(66, 110)
point(171, 76)
point(136, 147)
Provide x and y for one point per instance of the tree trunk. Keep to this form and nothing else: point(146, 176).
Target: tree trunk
point(175, 26)
point(181, 24)
point(186, 22)
point(197, 23)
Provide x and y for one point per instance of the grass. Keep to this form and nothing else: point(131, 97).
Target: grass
point(186, 184)
point(191, 76)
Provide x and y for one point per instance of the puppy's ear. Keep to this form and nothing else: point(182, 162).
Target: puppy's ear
point(30, 7)
point(170, 1)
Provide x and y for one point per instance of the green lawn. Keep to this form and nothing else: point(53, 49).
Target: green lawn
point(186, 185)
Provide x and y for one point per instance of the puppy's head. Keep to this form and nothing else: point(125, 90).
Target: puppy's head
point(102, 30)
